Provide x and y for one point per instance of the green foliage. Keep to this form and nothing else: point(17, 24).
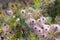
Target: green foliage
point(21, 33)
point(37, 4)
point(32, 36)
point(0, 23)
point(48, 21)
point(54, 10)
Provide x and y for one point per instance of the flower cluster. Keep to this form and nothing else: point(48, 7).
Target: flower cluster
point(41, 29)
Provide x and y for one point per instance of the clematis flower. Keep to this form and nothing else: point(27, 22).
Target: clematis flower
point(43, 19)
point(32, 21)
point(53, 38)
point(46, 28)
point(55, 27)
point(37, 30)
point(23, 11)
point(39, 22)
point(5, 27)
point(9, 12)
point(43, 35)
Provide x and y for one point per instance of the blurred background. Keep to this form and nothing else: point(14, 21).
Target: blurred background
point(13, 24)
